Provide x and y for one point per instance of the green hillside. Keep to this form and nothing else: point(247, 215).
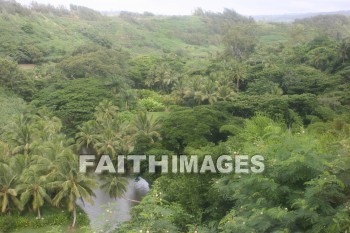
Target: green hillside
point(35, 37)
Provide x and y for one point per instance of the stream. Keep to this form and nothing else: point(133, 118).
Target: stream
point(108, 213)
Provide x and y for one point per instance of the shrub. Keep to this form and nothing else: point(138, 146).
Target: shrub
point(58, 218)
point(151, 105)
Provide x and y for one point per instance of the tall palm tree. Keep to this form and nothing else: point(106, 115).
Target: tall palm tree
point(20, 133)
point(167, 100)
point(126, 144)
point(237, 72)
point(127, 95)
point(116, 84)
point(8, 192)
point(144, 125)
point(106, 112)
point(225, 93)
point(33, 188)
point(4, 148)
point(196, 83)
point(161, 76)
point(47, 155)
point(180, 89)
point(71, 185)
point(107, 142)
point(46, 127)
point(269, 63)
point(344, 50)
point(87, 135)
point(20, 163)
point(114, 185)
point(208, 93)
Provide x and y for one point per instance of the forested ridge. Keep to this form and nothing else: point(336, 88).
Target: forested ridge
point(215, 84)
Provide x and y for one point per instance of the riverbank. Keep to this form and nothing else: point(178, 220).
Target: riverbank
point(52, 220)
point(109, 213)
point(53, 229)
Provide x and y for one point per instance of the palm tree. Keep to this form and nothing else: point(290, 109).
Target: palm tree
point(71, 185)
point(196, 83)
point(87, 135)
point(107, 142)
point(344, 50)
point(20, 134)
point(225, 93)
point(167, 101)
point(126, 144)
point(269, 63)
point(106, 112)
point(208, 93)
point(116, 84)
point(46, 127)
point(180, 89)
point(161, 76)
point(237, 72)
point(318, 58)
point(127, 95)
point(47, 156)
point(114, 185)
point(276, 90)
point(20, 163)
point(33, 187)
point(8, 192)
point(4, 149)
point(145, 125)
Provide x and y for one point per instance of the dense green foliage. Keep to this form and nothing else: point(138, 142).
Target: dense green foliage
point(10, 105)
point(207, 84)
point(53, 218)
point(73, 101)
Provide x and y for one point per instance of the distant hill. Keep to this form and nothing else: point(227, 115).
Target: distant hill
point(39, 33)
point(292, 17)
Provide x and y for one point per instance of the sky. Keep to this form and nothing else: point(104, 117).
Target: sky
point(186, 7)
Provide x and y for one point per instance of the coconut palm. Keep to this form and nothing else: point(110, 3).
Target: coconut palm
point(115, 186)
point(116, 84)
point(127, 95)
point(107, 142)
point(33, 188)
point(126, 144)
point(225, 93)
point(20, 163)
point(180, 89)
point(46, 127)
point(71, 185)
point(20, 133)
point(161, 76)
point(105, 112)
point(237, 72)
point(87, 135)
point(344, 50)
point(4, 149)
point(144, 125)
point(8, 192)
point(208, 93)
point(47, 155)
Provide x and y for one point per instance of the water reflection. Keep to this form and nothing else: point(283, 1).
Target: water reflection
point(106, 210)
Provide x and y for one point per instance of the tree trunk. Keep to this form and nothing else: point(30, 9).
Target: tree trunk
point(39, 214)
point(74, 216)
point(237, 85)
point(126, 106)
point(131, 200)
